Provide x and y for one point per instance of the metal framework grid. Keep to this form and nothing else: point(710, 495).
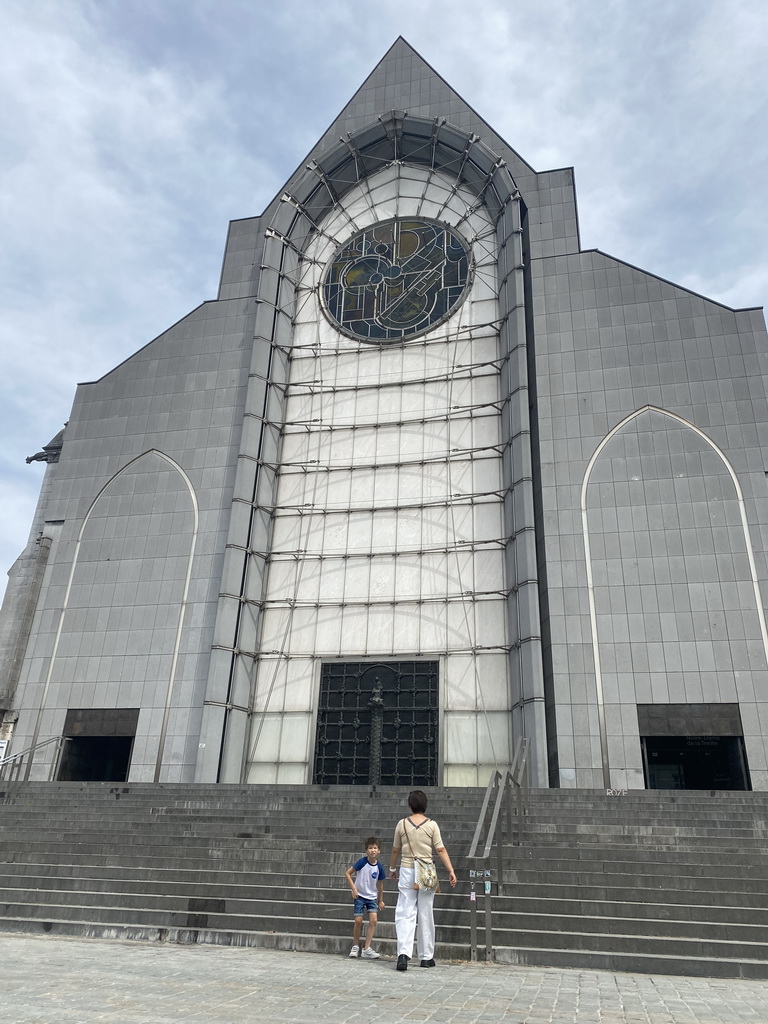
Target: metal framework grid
point(398, 139)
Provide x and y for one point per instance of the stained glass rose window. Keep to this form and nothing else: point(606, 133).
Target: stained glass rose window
point(396, 279)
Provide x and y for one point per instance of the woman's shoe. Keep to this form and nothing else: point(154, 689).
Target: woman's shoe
point(427, 963)
point(402, 962)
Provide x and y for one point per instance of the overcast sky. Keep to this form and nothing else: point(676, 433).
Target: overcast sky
point(132, 131)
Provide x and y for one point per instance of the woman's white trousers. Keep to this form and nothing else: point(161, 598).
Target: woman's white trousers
point(414, 917)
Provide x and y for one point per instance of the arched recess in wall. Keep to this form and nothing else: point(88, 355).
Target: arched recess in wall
point(319, 191)
point(676, 614)
point(118, 637)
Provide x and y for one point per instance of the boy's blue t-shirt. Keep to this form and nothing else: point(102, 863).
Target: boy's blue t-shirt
point(367, 877)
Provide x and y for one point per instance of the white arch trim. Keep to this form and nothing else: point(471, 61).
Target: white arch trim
point(587, 551)
point(182, 608)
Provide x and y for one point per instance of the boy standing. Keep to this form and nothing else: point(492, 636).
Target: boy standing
point(368, 892)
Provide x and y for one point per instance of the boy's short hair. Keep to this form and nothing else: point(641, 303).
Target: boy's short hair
point(372, 841)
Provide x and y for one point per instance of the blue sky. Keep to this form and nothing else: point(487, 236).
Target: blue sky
point(132, 131)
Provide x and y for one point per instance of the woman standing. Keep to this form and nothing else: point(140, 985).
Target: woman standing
point(416, 837)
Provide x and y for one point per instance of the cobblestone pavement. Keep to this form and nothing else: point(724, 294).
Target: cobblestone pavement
point(51, 980)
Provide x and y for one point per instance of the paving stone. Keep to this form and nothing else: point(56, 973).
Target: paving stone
point(54, 980)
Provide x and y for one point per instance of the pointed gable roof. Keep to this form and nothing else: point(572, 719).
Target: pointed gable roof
point(403, 80)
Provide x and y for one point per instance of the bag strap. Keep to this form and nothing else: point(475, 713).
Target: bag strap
point(405, 830)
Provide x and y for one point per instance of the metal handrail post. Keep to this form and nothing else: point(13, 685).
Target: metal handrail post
point(495, 816)
point(481, 819)
point(56, 761)
point(516, 757)
point(521, 787)
point(510, 816)
point(488, 927)
point(500, 853)
point(519, 791)
point(473, 926)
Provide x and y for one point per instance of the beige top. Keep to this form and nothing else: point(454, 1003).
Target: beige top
point(424, 838)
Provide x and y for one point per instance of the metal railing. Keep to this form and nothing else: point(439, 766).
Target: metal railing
point(499, 793)
point(12, 767)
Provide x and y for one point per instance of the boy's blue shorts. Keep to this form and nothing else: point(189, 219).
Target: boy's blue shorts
point(362, 904)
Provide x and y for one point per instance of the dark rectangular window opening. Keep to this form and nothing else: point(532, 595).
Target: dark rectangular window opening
point(100, 742)
point(695, 762)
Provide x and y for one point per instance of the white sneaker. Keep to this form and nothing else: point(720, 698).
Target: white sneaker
point(369, 954)
point(355, 951)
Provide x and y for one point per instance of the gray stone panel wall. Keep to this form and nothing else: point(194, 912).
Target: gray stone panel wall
point(678, 618)
point(242, 258)
point(122, 578)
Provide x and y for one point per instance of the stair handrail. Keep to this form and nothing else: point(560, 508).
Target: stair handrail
point(516, 777)
point(15, 762)
point(502, 783)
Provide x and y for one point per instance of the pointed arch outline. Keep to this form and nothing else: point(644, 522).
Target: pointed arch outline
point(588, 557)
point(182, 606)
point(319, 189)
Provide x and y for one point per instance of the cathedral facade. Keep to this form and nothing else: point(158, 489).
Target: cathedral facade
point(425, 478)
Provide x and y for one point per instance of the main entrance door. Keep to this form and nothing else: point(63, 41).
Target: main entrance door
point(377, 724)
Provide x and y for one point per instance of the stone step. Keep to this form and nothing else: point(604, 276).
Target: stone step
point(342, 854)
point(260, 913)
point(177, 799)
point(198, 797)
point(590, 832)
point(567, 875)
point(39, 887)
point(286, 940)
point(566, 866)
point(669, 853)
point(142, 875)
point(567, 871)
point(638, 963)
point(621, 942)
point(21, 839)
point(719, 907)
point(635, 855)
point(195, 797)
point(349, 842)
point(250, 855)
point(545, 889)
point(91, 827)
point(536, 824)
point(458, 937)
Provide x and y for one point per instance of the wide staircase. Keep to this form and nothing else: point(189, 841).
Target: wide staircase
point(663, 882)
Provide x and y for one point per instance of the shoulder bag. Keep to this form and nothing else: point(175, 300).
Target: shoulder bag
point(425, 875)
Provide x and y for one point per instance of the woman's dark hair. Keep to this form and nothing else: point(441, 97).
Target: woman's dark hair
point(417, 801)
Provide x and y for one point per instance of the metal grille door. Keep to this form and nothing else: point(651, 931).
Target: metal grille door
point(377, 724)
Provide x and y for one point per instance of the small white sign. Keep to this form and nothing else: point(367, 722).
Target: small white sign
point(3, 748)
